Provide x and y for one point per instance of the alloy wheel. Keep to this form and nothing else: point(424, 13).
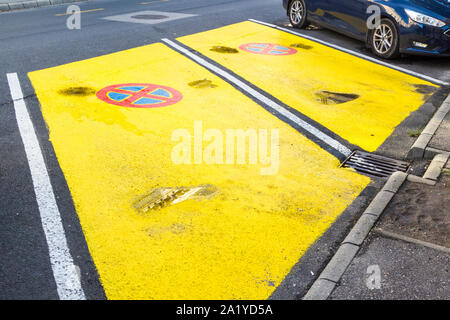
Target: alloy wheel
point(297, 12)
point(383, 38)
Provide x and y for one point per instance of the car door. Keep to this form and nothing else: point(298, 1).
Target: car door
point(317, 11)
point(349, 16)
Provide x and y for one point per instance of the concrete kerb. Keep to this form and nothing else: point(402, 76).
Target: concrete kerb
point(29, 4)
point(431, 152)
point(420, 148)
point(435, 168)
point(16, 5)
point(327, 280)
point(330, 276)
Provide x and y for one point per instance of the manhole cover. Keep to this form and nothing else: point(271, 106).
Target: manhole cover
point(374, 165)
point(149, 17)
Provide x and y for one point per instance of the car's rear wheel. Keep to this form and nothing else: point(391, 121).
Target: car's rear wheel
point(297, 13)
point(384, 40)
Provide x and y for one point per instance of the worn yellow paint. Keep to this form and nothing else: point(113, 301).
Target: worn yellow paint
point(387, 96)
point(240, 243)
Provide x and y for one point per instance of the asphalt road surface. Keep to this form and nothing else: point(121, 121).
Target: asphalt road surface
point(240, 243)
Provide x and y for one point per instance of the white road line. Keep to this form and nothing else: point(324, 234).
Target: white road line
point(272, 104)
point(65, 272)
point(357, 54)
point(264, 23)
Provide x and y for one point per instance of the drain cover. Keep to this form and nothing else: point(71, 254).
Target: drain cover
point(373, 164)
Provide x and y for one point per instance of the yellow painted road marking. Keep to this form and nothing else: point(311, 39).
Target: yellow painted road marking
point(85, 11)
point(305, 80)
point(239, 243)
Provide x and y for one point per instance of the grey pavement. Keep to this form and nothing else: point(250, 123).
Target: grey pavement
point(408, 271)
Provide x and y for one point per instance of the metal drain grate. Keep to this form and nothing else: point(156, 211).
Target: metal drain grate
point(373, 164)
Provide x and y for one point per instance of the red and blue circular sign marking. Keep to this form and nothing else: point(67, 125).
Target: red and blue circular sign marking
point(270, 49)
point(139, 95)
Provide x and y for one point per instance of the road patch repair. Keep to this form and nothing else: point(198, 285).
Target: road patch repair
point(159, 228)
point(378, 98)
point(163, 222)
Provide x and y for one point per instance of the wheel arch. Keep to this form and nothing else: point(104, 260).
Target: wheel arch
point(289, 5)
point(384, 15)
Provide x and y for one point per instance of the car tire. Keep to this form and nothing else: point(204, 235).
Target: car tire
point(384, 40)
point(297, 13)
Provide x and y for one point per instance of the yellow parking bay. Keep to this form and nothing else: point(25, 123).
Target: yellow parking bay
point(359, 100)
point(237, 241)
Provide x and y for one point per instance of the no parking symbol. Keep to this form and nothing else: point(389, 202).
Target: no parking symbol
point(139, 95)
point(270, 49)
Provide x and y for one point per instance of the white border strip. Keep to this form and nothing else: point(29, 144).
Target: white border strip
point(272, 104)
point(65, 272)
point(354, 53)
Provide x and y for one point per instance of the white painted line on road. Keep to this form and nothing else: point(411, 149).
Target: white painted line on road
point(357, 54)
point(264, 23)
point(270, 103)
point(65, 272)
